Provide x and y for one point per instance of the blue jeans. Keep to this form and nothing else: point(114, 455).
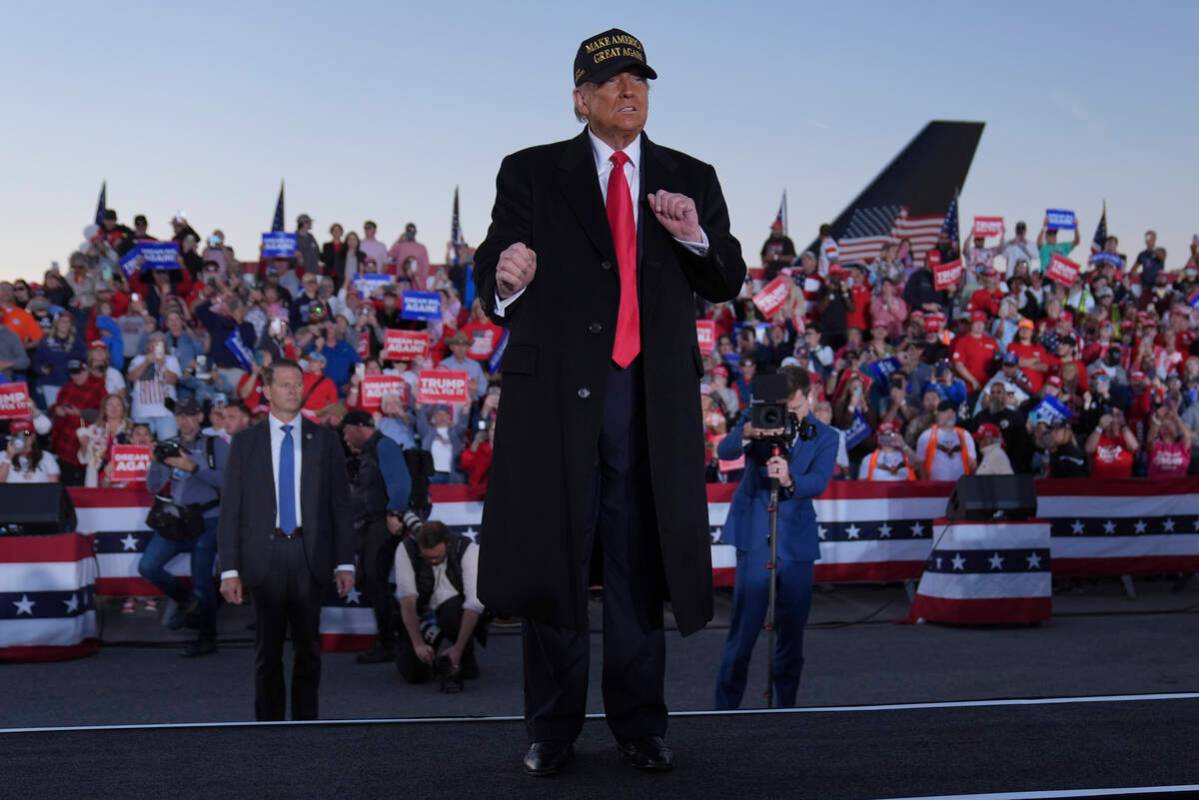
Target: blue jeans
point(750, 597)
point(160, 550)
point(161, 427)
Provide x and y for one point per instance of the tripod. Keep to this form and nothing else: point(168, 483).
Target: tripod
point(772, 508)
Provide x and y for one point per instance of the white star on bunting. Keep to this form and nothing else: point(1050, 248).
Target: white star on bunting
point(1140, 526)
point(24, 605)
point(130, 542)
point(1034, 561)
point(471, 533)
point(918, 530)
point(1109, 527)
point(852, 531)
point(939, 560)
point(72, 604)
point(1077, 528)
point(959, 563)
point(821, 531)
point(1168, 526)
point(885, 531)
point(996, 561)
point(353, 596)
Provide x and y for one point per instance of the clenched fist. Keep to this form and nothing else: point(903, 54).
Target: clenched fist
point(677, 214)
point(515, 271)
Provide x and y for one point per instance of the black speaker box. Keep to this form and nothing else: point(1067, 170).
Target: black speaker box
point(983, 497)
point(36, 509)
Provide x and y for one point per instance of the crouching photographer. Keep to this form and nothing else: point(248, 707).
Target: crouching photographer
point(436, 574)
point(785, 446)
point(185, 479)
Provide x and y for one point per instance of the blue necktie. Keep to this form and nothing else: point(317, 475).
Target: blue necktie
point(287, 483)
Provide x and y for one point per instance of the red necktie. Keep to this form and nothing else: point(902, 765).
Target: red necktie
point(624, 237)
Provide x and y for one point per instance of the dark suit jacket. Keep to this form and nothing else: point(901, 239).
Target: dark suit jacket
point(248, 503)
point(541, 489)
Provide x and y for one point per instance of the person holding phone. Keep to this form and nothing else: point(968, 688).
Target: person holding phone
point(153, 376)
point(892, 460)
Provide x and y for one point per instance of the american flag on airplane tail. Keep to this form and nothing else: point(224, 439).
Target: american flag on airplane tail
point(869, 532)
point(871, 228)
point(47, 598)
point(987, 573)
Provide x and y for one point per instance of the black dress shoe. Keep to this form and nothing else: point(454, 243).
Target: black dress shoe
point(547, 758)
point(377, 655)
point(647, 752)
point(199, 647)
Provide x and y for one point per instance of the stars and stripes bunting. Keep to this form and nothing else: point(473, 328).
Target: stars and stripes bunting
point(47, 598)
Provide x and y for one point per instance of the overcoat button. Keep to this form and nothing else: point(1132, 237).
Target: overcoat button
point(595, 327)
point(606, 264)
point(584, 393)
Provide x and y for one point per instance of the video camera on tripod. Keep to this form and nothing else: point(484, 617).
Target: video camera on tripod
point(768, 413)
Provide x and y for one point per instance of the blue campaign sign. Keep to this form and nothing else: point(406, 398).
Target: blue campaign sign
point(1060, 219)
point(882, 369)
point(129, 262)
point(278, 244)
point(421, 305)
point(1051, 410)
point(159, 255)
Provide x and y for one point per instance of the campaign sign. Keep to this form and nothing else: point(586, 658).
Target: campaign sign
point(933, 257)
point(1060, 219)
point(881, 370)
point(278, 244)
point(159, 255)
point(14, 401)
point(1051, 410)
point(1062, 270)
point(985, 227)
point(130, 463)
point(375, 387)
point(946, 275)
point(705, 334)
point(435, 386)
point(366, 283)
point(421, 305)
point(482, 342)
point(401, 345)
point(772, 296)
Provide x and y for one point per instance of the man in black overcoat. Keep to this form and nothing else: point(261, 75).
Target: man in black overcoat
point(596, 249)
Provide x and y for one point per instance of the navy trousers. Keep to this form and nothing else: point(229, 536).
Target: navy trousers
point(751, 595)
point(557, 660)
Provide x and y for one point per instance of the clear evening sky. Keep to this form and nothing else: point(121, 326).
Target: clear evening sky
point(377, 110)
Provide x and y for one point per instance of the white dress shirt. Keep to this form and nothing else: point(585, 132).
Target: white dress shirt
point(276, 426)
point(632, 173)
point(443, 590)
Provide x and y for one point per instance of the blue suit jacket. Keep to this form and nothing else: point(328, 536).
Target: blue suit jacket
point(748, 524)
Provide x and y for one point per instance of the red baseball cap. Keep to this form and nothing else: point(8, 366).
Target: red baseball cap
point(1137, 375)
point(720, 369)
point(888, 426)
point(988, 430)
point(20, 426)
point(1054, 380)
point(934, 323)
point(979, 316)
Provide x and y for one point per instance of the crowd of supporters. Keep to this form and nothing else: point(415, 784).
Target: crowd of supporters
point(1005, 370)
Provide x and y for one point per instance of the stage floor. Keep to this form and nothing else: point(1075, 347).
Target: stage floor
point(827, 754)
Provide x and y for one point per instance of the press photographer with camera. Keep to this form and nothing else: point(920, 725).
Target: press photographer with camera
point(784, 442)
point(185, 479)
point(436, 574)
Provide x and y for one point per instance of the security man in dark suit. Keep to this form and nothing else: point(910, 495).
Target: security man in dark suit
point(803, 475)
point(285, 533)
point(379, 495)
point(596, 250)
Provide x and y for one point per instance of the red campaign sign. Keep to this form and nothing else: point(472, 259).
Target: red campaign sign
point(705, 334)
point(14, 401)
point(435, 386)
point(481, 344)
point(130, 463)
point(988, 226)
point(1062, 270)
point(933, 257)
point(773, 295)
point(364, 345)
point(946, 275)
point(401, 345)
point(376, 387)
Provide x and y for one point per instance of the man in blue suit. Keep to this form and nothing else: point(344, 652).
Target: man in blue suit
point(800, 478)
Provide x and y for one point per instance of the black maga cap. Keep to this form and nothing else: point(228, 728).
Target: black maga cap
point(188, 406)
point(358, 417)
point(607, 54)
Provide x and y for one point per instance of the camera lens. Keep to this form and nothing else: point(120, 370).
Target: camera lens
point(772, 417)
